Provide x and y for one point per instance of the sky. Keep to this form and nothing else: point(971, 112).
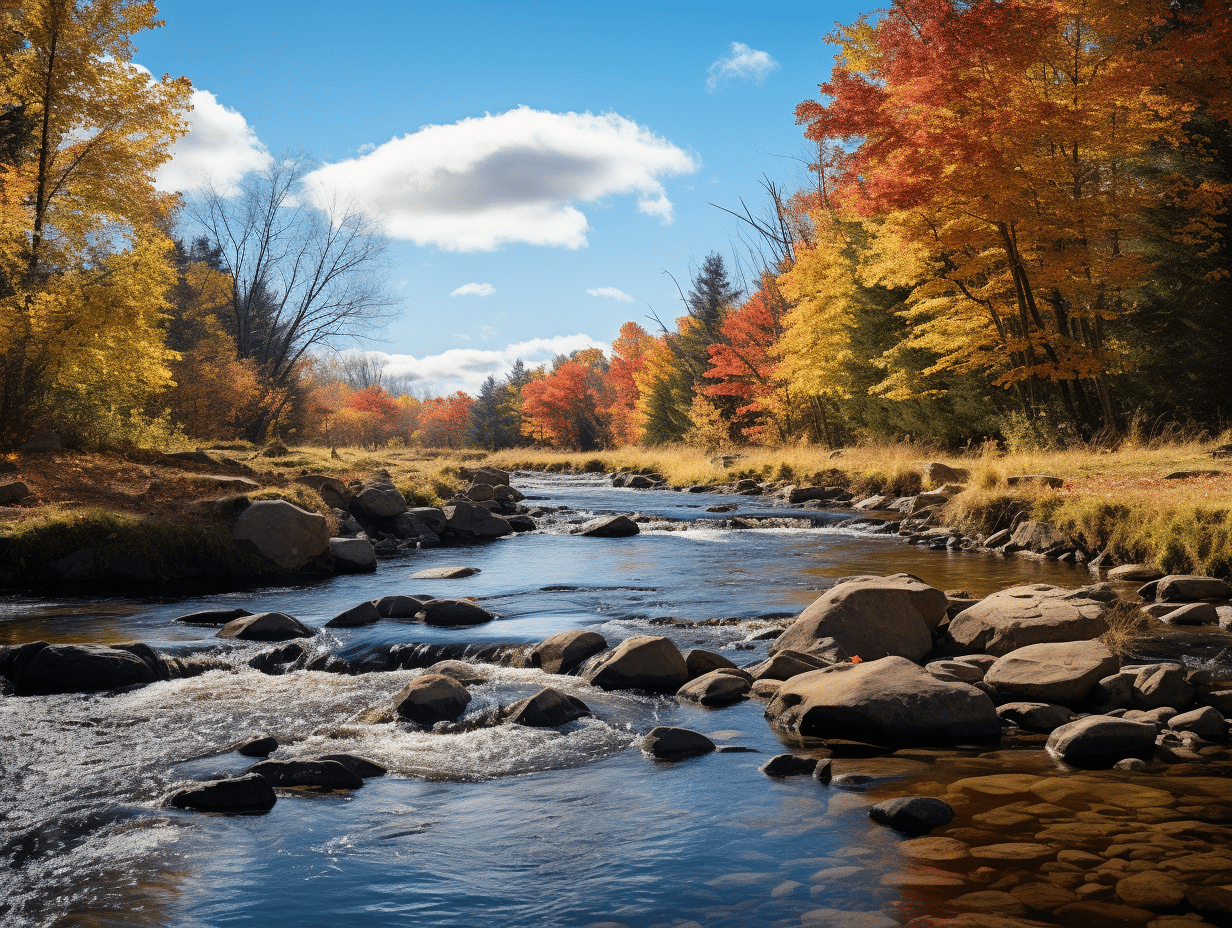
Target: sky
point(542, 171)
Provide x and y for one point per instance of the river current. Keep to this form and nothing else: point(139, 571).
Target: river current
point(503, 826)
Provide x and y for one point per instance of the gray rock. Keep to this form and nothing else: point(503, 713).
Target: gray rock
point(400, 607)
point(491, 476)
point(282, 532)
point(956, 670)
point(1162, 685)
point(1188, 614)
point(871, 617)
point(432, 698)
point(608, 527)
point(1062, 672)
point(42, 669)
point(787, 664)
point(717, 688)
point(1037, 536)
point(317, 774)
point(257, 746)
point(465, 673)
point(914, 815)
point(277, 661)
point(890, 701)
point(356, 616)
point(1206, 722)
point(454, 612)
point(666, 743)
point(360, 766)
point(700, 662)
point(1186, 589)
point(246, 794)
point(1025, 615)
point(805, 494)
point(430, 516)
point(1043, 717)
point(445, 573)
point(1138, 573)
point(566, 651)
point(353, 555)
point(548, 708)
point(332, 491)
point(1099, 738)
point(641, 663)
point(380, 502)
point(265, 626)
point(473, 522)
point(407, 525)
point(789, 765)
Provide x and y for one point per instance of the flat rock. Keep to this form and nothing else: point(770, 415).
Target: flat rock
point(452, 613)
point(566, 651)
point(641, 663)
point(789, 765)
point(265, 626)
point(445, 573)
point(282, 532)
point(548, 708)
point(890, 701)
point(1188, 588)
point(356, 616)
point(1057, 672)
point(211, 616)
point(608, 527)
point(667, 743)
point(1017, 851)
point(316, 774)
point(916, 815)
point(1042, 717)
point(1026, 615)
point(1098, 737)
point(432, 698)
point(717, 688)
point(246, 794)
point(1188, 614)
point(870, 617)
point(1138, 573)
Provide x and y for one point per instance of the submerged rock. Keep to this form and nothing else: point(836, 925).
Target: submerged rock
point(667, 743)
point(548, 708)
point(432, 698)
point(266, 626)
point(789, 765)
point(317, 774)
point(915, 815)
point(250, 793)
point(445, 573)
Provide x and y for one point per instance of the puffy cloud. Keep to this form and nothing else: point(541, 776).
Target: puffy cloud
point(610, 293)
point(473, 289)
point(467, 368)
point(743, 63)
point(517, 176)
point(219, 149)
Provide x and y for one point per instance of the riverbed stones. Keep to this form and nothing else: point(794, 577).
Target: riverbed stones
point(282, 532)
point(549, 708)
point(608, 527)
point(1151, 890)
point(356, 616)
point(717, 688)
point(1042, 717)
point(1058, 672)
point(453, 613)
point(643, 662)
point(890, 701)
point(566, 651)
point(914, 815)
point(1183, 588)
point(432, 698)
point(871, 617)
point(1027, 615)
point(1188, 614)
point(669, 743)
point(265, 626)
point(380, 501)
point(42, 669)
point(1160, 685)
point(1137, 573)
point(246, 794)
point(1098, 738)
point(314, 774)
point(1205, 722)
point(445, 573)
point(472, 522)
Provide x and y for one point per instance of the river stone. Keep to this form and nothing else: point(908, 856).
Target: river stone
point(989, 902)
point(1016, 851)
point(491, 476)
point(1026, 615)
point(1137, 573)
point(1043, 717)
point(717, 688)
point(935, 848)
point(432, 698)
point(890, 701)
point(871, 617)
point(1099, 738)
point(1210, 900)
point(1151, 890)
point(915, 815)
point(608, 527)
point(700, 662)
point(332, 490)
point(400, 607)
point(319, 774)
point(360, 766)
point(667, 743)
point(257, 746)
point(249, 793)
point(1059, 672)
point(380, 502)
point(265, 626)
point(789, 765)
point(465, 673)
point(353, 555)
point(445, 573)
point(1099, 914)
point(473, 522)
point(564, 652)
point(478, 492)
point(1206, 722)
point(430, 516)
point(407, 525)
point(356, 616)
point(956, 670)
point(1188, 588)
point(211, 616)
point(548, 708)
point(454, 612)
point(1037, 536)
point(41, 669)
point(640, 663)
point(282, 532)
point(1162, 685)
point(786, 664)
point(1188, 614)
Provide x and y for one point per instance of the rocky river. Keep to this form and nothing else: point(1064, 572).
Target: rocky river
point(479, 821)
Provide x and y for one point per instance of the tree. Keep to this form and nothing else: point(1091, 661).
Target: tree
point(301, 276)
point(628, 359)
point(443, 421)
point(566, 407)
point(84, 265)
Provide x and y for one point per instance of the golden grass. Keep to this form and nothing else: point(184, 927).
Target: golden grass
point(1127, 626)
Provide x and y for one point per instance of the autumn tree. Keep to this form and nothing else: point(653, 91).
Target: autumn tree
point(443, 421)
point(84, 265)
point(628, 359)
point(567, 407)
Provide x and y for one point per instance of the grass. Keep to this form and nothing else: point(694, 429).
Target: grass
point(1128, 625)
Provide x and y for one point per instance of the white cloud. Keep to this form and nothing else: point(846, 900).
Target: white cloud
point(610, 293)
point(743, 63)
point(219, 149)
point(473, 289)
point(467, 368)
point(517, 176)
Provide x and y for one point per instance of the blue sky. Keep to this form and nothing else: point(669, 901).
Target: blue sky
point(573, 147)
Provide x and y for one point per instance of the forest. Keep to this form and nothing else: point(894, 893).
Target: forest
point(1014, 229)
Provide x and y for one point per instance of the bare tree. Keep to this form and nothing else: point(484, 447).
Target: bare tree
point(362, 369)
point(301, 276)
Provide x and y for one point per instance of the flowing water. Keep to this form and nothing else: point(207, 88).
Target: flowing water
point(491, 826)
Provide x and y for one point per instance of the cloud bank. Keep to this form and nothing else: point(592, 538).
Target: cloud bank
point(743, 63)
point(219, 149)
point(610, 293)
point(473, 289)
point(513, 177)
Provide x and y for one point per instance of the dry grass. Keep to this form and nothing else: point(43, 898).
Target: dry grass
point(1128, 625)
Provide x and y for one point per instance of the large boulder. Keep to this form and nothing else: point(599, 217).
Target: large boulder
point(472, 522)
point(890, 701)
point(1024, 615)
point(548, 708)
point(564, 652)
point(608, 527)
point(1099, 738)
point(641, 663)
point(787, 664)
point(1181, 588)
point(700, 662)
point(356, 616)
point(871, 617)
point(353, 555)
point(41, 669)
point(409, 526)
point(1062, 672)
point(432, 698)
point(380, 501)
point(282, 532)
point(1037, 536)
point(717, 688)
point(400, 607)
point(452, 613)
point(246, 794)
point(430, 516)
point(1160, 685)
point(486, 475)
point(265, 626)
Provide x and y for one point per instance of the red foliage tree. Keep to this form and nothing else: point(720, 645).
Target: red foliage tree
point(566, 407)
point(443, 421)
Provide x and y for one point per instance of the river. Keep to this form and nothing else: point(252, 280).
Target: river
point(503, 826)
